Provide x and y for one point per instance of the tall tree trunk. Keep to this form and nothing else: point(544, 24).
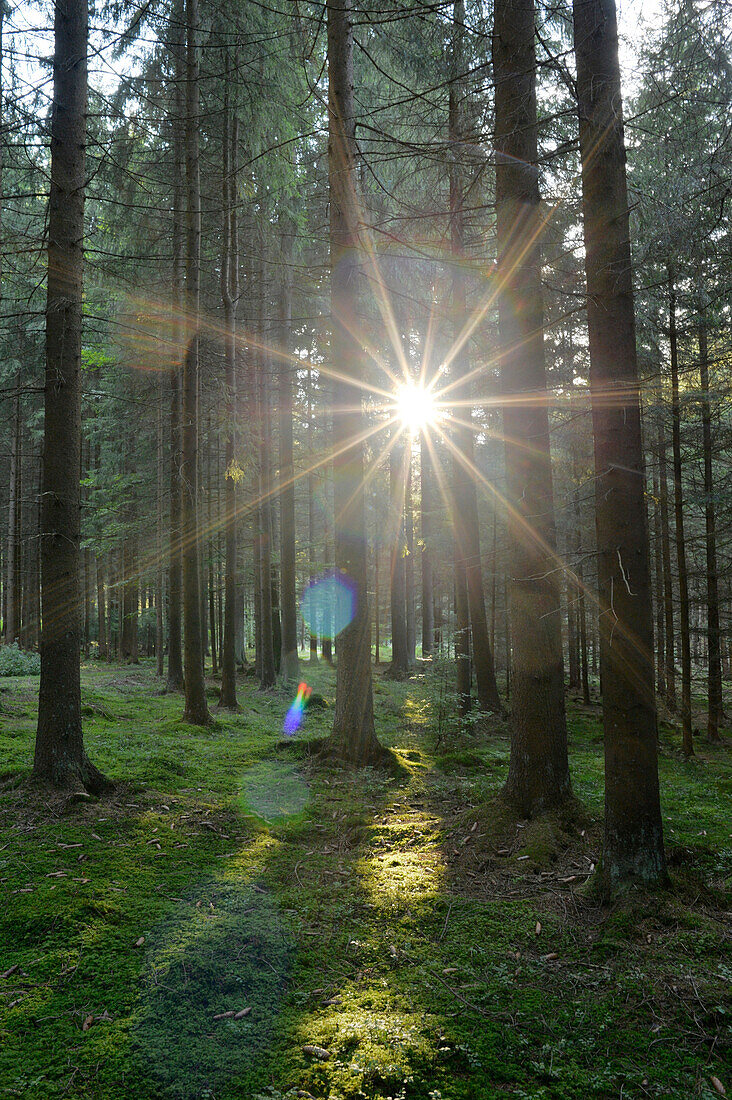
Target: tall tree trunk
point(59, 750)
point(230, 297)
point(353, 725)
point(196, 707)
point(12, 584)
point(428, 593)
point(668, 595)
point(465, 503)
point(714, 715)
point(633, 847)
point(658, 595)
point(312, 626)
point(538, 775)
point(397, 485)
point(175, 567)
point(159, 571)
point(268, 674)
point(290, 665)
point(686, 731)
point(377, 597)
point(409, 565)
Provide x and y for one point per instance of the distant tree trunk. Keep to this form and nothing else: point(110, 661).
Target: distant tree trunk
point(175, 577)
point(428, 596)
point(102, 645)
point(658, 595)
point(538, 775)
point(12, 585)
point(230, 297)
point(668, 596)
point(312, 626)
point(130, 597)
point(159, 571)
point(353, 726)
point(465, 503)
point(196, 707)
point(633, 847)
point(397, 484)
point(686, 732)
point(268, 675)
point(327, 642)
point(409, 566)
point(714, 716)
point(59, 750)
point(377, 597)
point(290, 665)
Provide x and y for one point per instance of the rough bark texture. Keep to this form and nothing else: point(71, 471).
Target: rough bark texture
point(12, 558)
point(353, 727)
point(59, 751)
point(668, 595)
point(684, 627)
point(714, 715)
point(175, 570)
point(538, 775)
point(428, 596)
point(230, 297)
point(633, 848)
point(196, 708)
point(397, 486)
point(290, 665)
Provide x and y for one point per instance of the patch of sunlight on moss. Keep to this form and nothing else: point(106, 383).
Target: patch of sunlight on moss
point(274, 790)
point(417, 711)
point(410, 867)
point(370, 1049)
point(252, 856)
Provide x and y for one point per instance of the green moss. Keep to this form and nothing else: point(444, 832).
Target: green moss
point(364, 911)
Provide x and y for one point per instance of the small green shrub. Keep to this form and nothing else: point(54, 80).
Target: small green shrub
point(17, 662)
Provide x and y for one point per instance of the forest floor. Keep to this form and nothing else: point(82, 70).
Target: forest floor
point(393, 936)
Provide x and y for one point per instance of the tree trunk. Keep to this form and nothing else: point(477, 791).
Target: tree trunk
point(428, 593)
point(175, 566)
point(397, 485)
point(353, 726)
point(290, 665)
point(411, 610)
point(12, 586)
point(196, 707)
point(668, 595)
point(538, 775)
point(230, 297)
point(714, 715)
point(59, 750)
point(312, 626)
point(633, 847)
point(686, 732)
point(268, 674)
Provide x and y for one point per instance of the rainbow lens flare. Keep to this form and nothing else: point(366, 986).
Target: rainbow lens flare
point(329, 603)
point(293, 718)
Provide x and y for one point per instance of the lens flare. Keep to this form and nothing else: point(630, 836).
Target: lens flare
point(415, 407)
point(293, 718)
point(329, 603)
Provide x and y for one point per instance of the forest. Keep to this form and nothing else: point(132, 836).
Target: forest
point(366, 549)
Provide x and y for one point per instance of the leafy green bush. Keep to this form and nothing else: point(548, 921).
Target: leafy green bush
point(17, 662)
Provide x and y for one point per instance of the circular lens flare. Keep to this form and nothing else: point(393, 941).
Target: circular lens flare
point(415, 407)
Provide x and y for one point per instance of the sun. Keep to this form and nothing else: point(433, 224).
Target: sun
point(416, 408)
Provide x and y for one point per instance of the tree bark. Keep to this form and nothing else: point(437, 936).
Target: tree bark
point(538, 775)
point(59, 750)
point(714, 714)
point(290, 664)
point(633, 847)
point(12, 584)
point(353, 726)
point(687, 742)
point(399, 667)
point(425, 515)
point(230, 298)
point(175, 567)
point(668, 596)
point(196, 707)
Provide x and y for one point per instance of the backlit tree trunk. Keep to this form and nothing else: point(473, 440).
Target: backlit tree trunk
point(196, 708)
point(714, 715)
point(290, 665)
point(633, 847)
point(538, 775)
point(59, 750)
point(353, 726)
point(397, 485)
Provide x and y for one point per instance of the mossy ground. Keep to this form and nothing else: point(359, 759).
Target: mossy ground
point(433, 945)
